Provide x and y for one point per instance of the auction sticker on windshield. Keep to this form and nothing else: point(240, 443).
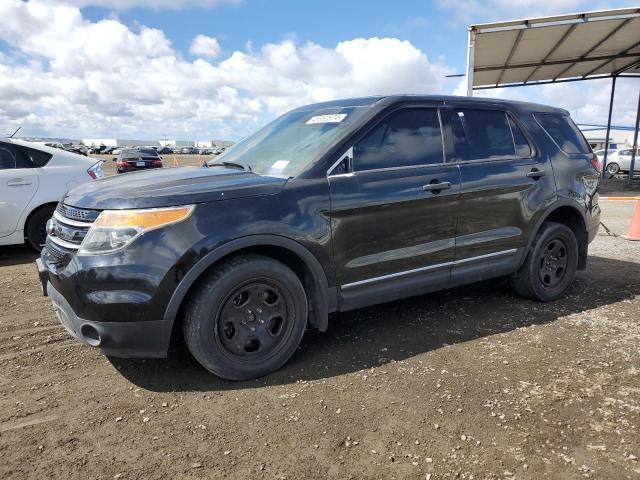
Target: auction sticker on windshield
point(334, 118)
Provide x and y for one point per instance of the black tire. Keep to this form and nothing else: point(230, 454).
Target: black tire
point(36, 230)
point(246, 317)
point(613, 168)
point(550, 266)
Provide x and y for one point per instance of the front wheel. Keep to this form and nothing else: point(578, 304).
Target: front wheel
point(246, 318)
point(550, 266)
point(613, 168)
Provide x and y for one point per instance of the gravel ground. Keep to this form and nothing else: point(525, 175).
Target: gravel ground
point(473, 382)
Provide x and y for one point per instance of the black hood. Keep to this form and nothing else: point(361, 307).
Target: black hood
point(165, 187)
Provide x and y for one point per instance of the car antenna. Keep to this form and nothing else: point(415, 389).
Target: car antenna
point(17, 130)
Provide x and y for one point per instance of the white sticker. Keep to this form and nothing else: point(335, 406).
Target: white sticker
point(334, 118)
point(279, 165)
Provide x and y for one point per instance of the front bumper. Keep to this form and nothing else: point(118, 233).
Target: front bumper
point(142, 339)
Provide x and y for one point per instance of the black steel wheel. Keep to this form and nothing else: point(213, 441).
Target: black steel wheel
point(254, 321)
point(246, 318)
point(551, 264)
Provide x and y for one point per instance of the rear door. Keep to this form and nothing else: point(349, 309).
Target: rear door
point(505, 185)
point(18, 185)
point(393, 208)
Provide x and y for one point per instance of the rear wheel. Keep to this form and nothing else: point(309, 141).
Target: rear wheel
point(550, 266)
point(37, 227)
point(246, 318)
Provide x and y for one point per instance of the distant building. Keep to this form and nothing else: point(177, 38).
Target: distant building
point(619, 137)
point(213, 143)
point(96, 142)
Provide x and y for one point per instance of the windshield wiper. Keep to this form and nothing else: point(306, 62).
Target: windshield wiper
point(229, 164)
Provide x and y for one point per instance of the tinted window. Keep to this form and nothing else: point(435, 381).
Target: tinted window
point(148, 151)
point(482, 134)
point(410, 136)
point(563, 132)
point(7, 157)
point(36, 158)
point(18, 156)
point(523, 149)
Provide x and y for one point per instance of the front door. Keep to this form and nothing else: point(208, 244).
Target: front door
point(393, 209)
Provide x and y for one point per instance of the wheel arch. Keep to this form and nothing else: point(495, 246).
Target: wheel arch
point(568, 213)
point(321, 298)
point(33, 211)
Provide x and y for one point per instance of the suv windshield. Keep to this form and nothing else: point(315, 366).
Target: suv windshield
point(289, 144)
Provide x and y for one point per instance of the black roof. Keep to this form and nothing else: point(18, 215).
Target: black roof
point(384, 100)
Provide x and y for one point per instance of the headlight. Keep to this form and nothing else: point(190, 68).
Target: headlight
point(115, 229)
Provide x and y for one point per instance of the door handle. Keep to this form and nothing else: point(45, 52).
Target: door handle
point(18, 182)
point(536, 174)
point(431, 187)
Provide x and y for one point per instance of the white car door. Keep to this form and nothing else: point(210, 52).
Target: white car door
point(18, 185)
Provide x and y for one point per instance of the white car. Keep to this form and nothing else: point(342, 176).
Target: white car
point(33, 178)
point(620, 161)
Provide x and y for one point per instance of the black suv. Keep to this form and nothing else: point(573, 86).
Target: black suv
point(331, 207)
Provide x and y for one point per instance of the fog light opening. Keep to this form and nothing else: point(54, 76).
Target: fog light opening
point(90, 335)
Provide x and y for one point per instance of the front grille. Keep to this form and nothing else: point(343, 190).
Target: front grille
point(74, 213)
point(66, 231)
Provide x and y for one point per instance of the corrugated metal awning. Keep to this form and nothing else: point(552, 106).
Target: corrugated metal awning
point(550, 49)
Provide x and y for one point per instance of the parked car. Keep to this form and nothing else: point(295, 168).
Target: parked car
point(99, 149)
point(600, 155)
point(620, 161)
point(79, 149)
point(331, 207)
point(32, 180)
point(131, 160)
point(188, 150)
point(164, 151)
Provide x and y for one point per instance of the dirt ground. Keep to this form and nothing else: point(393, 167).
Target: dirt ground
point(469, 383)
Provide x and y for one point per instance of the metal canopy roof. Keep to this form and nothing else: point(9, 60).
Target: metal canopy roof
point(551, 49)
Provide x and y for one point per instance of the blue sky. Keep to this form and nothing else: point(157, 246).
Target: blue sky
point(203, 69)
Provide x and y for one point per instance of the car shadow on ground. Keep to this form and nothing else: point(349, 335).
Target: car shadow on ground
point(399, 330)
point(17, 255)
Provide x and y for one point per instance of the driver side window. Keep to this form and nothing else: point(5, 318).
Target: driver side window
point(407, 137)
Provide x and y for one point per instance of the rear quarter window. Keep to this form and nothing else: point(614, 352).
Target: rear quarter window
point(563, 132)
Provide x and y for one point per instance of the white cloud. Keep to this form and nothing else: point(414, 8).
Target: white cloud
point(65, 75)
point(587, 102)
point(204, 46)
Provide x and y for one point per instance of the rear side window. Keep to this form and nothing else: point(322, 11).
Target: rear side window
point(563, 132)
point(482, 134)
point(35, 157)
point(407, 137)
point(18, 156)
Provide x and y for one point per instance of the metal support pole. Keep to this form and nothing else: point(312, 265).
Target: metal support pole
point(471, 46)
point(606, 140)
point(634, 146)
